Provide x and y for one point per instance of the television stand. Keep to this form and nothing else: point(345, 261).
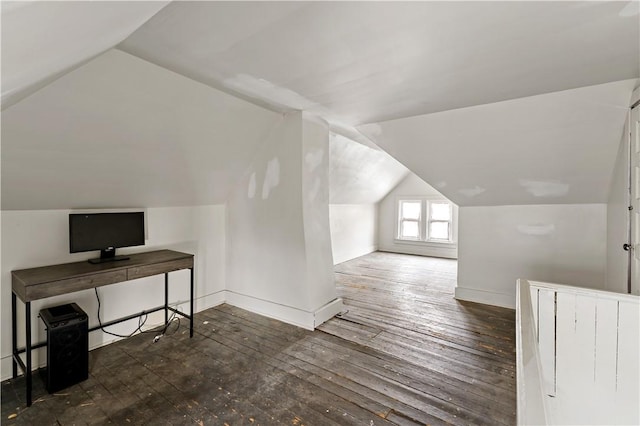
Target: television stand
point(48, 281)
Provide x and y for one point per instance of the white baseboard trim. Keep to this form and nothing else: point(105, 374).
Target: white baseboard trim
point(283, 313)
point(39, 357)
point(298, 317)
point(445, 253)
point(339, 257)
point(486, 297)
point(209, 301)
point(328, 311)
point(5, 365)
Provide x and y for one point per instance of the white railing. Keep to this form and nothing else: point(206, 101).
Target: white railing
point(578, 355)
point(532, 409)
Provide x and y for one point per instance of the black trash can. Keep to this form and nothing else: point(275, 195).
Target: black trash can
point(67, 329)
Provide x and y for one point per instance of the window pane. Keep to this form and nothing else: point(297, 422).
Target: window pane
point(440, 211)
point(410, 230)
point(439, 230)
point(411, 210)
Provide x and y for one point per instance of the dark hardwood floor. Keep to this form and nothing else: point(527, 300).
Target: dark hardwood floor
point(403, 352)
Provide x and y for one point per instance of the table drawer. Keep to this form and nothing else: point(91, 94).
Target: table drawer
point(54, 288)
point(159, 268)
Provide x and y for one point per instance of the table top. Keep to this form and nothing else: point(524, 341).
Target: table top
point(46, 274)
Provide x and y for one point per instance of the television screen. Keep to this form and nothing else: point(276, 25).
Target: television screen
point(105, 231)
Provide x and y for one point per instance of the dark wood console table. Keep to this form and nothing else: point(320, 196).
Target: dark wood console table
point(39, 283)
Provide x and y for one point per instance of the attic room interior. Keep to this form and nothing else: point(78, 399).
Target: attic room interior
point(365, 212)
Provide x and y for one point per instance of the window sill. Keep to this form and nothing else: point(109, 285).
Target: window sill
point(439, 244)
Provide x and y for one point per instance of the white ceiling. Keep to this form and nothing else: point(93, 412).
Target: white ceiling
point(553, 148)
point(359, 174)
point(44, 40)
point(362, 62)
point(352, 63)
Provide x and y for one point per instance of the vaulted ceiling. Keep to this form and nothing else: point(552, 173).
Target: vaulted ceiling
point(502, 94)
point(363, 62)
point(360, 174)
point(544, 149)
point(44, 40)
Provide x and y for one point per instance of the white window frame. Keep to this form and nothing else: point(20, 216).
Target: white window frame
point(401, 220)
point(425, 221)
point(430, 221)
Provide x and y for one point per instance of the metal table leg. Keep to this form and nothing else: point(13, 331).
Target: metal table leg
point(166, 298)
point(14, 335)
point(191, 307)
point(27, 373)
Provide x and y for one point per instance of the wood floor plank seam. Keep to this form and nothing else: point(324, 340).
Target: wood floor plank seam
point(257, 355)
point(418, 337)
point(411, 376)
point(386, 408)
point(357, 369)
point(405, 352)
point(264, 356)
point(504, 350)
point(446, 376)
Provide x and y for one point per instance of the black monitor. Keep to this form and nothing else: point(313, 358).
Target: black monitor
point(105, 232)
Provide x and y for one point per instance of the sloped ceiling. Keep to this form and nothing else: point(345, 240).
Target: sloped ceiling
point(359, 174)
point(43, 40)
point(553, 148)
point(122, 132)
point(352, 63)
point(362, 62)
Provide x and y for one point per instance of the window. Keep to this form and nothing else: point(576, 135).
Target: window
point(439, 221)
point(410, 218)
point(425, 220)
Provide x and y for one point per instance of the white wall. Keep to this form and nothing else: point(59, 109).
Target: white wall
point(120, 131)
point(411, 186)
point(563, 244)
point(618, 218)
point(33, 238)
point(275, 239)
point(354, 230)
point(360, 174)
point(317, 230)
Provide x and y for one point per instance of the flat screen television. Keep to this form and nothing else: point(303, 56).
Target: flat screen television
point(105, 232)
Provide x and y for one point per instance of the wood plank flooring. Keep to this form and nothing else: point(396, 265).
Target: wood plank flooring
point(403, 352)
